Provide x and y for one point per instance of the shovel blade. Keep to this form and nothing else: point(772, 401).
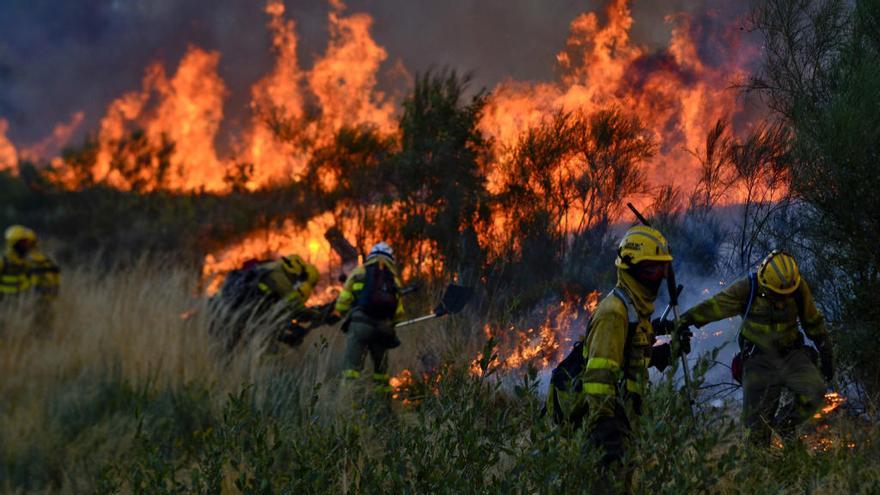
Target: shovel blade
point(455, 299)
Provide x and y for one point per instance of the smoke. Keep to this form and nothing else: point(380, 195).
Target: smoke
point(61, 58)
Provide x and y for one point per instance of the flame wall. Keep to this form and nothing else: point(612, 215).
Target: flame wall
point(678, 91)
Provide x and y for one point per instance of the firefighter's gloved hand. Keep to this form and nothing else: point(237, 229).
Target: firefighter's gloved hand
point(661, 356)
point(662, 327)
point(683, 334)
point(333, 318)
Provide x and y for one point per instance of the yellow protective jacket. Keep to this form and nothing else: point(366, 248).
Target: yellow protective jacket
point(277, 282)
point(355, 283)
point(772, 322)
point(45, 275)
point(613, 323)
point(15, 276)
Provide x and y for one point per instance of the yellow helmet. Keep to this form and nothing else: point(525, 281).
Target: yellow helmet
point(642, 243)
point(779, 273)
point(19, 233)
point(293, 264)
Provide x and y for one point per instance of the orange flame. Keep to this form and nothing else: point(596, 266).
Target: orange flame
point(672, 92)
point(53, 143)
point(833, 400)
point(308, 242)
point(344, 80)
point(399, 383)
point(8, 154)
point(539, 347)
point(280, 96)
point(188, 112)
point(294, 110)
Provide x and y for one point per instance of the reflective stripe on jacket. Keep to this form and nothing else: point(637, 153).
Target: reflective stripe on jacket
point(14, 276)
point(619, 317)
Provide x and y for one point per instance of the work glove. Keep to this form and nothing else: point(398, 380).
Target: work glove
point(662, 327)
point(682, 335)
point(333, 318)
point(661, 356)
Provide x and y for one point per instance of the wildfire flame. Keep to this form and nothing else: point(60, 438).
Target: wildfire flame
point(542, 346)
point(675, 92)
point(833, 400)
point(8, 154)
point(399, 383)
point(676, 95)
point(308, 242)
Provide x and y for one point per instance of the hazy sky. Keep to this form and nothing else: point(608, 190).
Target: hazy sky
point(62, 56)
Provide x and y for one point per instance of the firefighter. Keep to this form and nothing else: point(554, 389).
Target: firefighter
point(290, 279)
point(618, 348)
point(15, 277)
point(258, 286)
point(774, 302)
point(371, 300)
point(25, 269)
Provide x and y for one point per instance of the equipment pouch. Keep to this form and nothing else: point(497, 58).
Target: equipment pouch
point(736, 368)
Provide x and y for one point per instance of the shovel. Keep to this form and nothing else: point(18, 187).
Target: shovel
point(454, 300)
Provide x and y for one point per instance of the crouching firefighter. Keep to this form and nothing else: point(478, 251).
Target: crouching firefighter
point(371, 299)
point(773, 302)
point(258, 286)
point(617, 350)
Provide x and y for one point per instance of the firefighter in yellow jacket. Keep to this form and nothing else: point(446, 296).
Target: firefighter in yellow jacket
point(618, 349)
point(774, 302)
point(371, 298)
point(255, 288)
point(290, 279)
point(25, 269)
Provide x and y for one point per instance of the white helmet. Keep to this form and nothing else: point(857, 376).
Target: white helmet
point(381, 249)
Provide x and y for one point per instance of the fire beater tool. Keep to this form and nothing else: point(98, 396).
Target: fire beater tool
point(672, 288)
point(454, 300)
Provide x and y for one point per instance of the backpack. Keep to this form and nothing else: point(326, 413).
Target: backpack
point(240, 285)
point(565, 378)
point(380, 296)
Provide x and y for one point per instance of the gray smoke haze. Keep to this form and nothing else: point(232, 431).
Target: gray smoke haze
point(60, 57)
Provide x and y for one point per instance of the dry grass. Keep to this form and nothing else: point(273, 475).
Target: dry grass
point(148, 327)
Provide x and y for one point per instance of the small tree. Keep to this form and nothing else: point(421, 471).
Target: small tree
point(437, 173)
point(572, 174)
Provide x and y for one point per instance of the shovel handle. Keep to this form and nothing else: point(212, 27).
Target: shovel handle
point(416, 320)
